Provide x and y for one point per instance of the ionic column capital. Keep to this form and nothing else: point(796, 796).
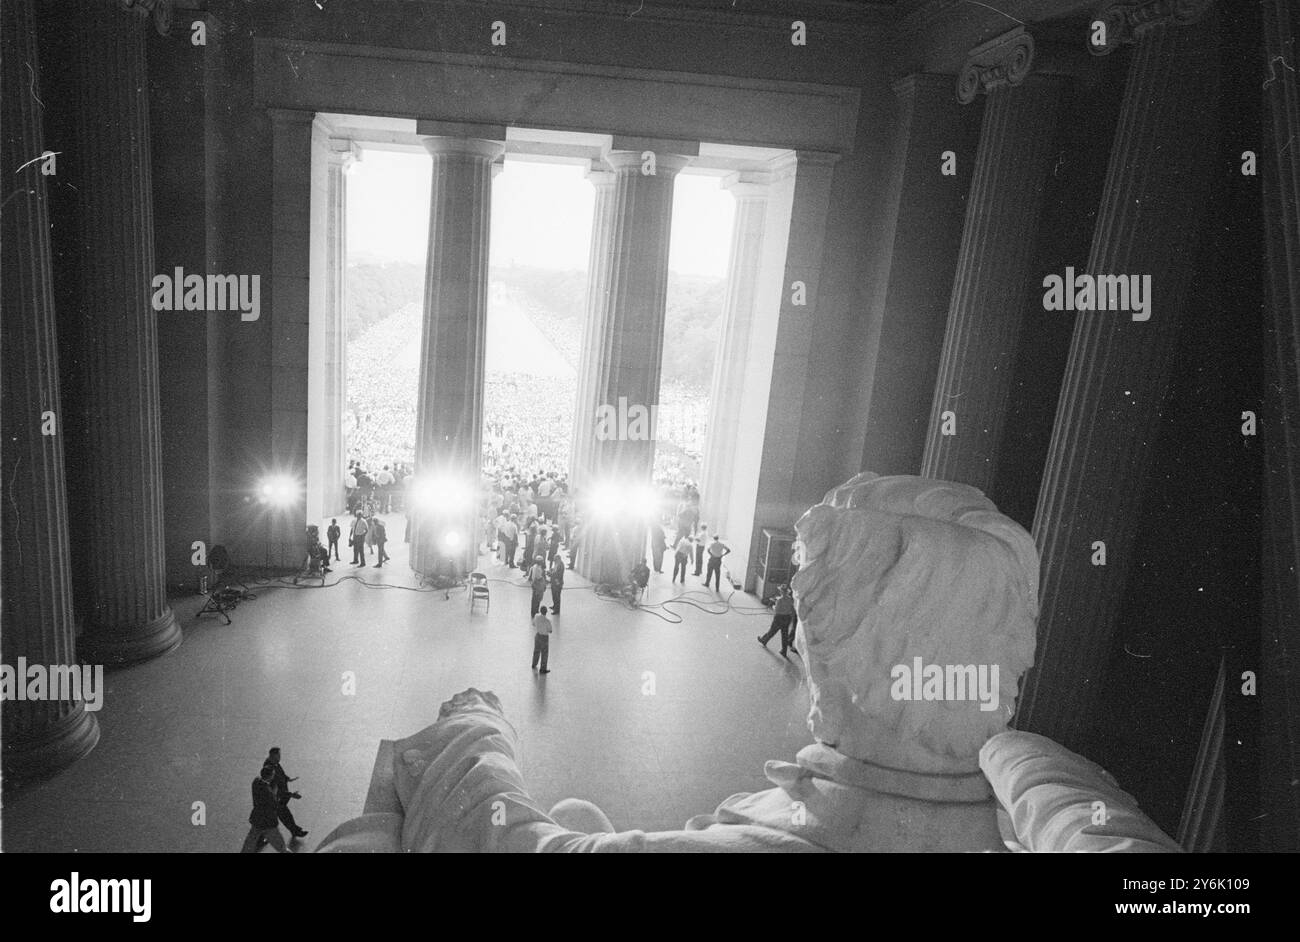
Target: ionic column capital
point(161, 10)
point(632, 162)
point(1127, 21)
point(465, 146)
point(600, 177)
point(1001, 62)
point(343, 152)
point(750, 185)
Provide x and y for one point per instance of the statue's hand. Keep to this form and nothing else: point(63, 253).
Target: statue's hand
point(468, 700)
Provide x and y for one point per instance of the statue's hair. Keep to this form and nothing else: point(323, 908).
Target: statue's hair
point(900, 567)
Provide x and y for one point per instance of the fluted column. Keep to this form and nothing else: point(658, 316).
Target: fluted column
point(1109, 411)
point(39, 736)
point(630, 344)
point(905, 321)
point(341, 156)
point(327, 329)
point(992, 284)
point(589, 367)
point(1279, 683)
point(751, 192)
point(449, 410)
point(128, 618)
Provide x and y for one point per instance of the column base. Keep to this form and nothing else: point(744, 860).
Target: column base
point(117, 646)
point(61, 744)
point(608, 553)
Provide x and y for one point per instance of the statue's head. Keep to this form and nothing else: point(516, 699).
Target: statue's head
point(917, 605)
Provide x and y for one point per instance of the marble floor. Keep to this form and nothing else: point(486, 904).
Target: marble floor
point(655, 722)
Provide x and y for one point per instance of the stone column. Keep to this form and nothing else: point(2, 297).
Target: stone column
point(629, 343)
point(128, 617)
point(449, 411)
point(39, 736)
point(342, 155)
point(326, 449)
point(589, 367)
point(1109, 412)
point(751, 192)
point(1279, 684)
point(907, 315)
point(993, 281)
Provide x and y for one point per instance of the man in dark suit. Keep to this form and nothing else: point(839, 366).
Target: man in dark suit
point(557, 582)
point(280, 782)
point(332, 534)
point(262, 819)
point(381, 537)
point(658, 545)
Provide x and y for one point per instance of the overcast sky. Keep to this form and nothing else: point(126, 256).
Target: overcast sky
point(541, 215)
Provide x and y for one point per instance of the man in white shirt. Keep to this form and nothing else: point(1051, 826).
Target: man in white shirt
point(717, 549)
point(385, 481)
point(537, 578)
point(358, 540)
point(542, 629)
point(500, 541)
point(510, 535)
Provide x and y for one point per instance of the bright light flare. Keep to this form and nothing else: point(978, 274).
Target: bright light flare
point(643, 502)
point(279, 490)
point(442, 494)
point(606, 501)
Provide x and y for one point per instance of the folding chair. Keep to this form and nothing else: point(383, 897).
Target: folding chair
point(478, 589)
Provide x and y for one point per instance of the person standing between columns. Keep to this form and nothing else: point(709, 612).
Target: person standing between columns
point(658, 545)
point(681, 557)
point(332, 534)
point(537, 579)
point(557, 582)
point(700, 544)
point(542, 629)
point(510, 537)
point(381, 537)
point(717, 549)
point(264, 817)
point(358, 539)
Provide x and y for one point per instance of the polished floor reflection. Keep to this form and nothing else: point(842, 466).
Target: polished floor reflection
point(655, 722)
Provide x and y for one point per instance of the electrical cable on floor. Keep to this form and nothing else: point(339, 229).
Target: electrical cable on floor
point(609, 592)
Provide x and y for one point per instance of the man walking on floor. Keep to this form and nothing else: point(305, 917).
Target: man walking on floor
point(541, 640)
point(280, 783)
point(263, 818)
point(783, 614)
